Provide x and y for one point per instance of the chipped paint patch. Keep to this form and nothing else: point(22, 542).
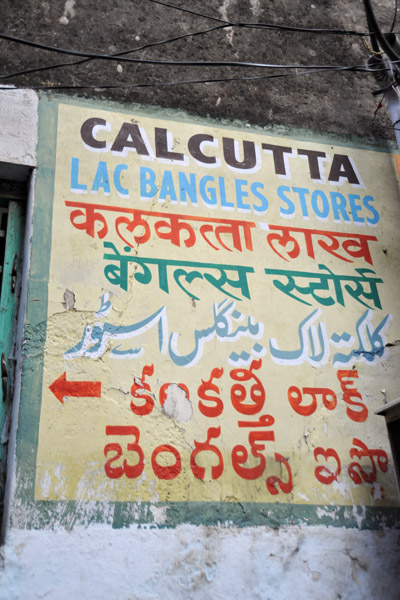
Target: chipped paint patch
point(45, 483)
point(359, 517)
point(69, 300)
point(341, 487)
point(322, 513)
point(159, 514)
point(177, 405)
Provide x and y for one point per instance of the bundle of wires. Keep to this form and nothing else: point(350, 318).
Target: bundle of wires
point(378, 67)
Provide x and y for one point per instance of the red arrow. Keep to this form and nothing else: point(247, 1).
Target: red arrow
point(79, 389)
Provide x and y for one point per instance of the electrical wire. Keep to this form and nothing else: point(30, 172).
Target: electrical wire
point(374, 33)
point(392, 127)
point(117, 54)
point(385, 42)
point(377, 34)
point(263, 25)
point(187, 10)
point(223, 25)
point(311, 68)
point(385, 89)
point(184, 63)
point(188, 82)
point(394, 16)
point(121, 55)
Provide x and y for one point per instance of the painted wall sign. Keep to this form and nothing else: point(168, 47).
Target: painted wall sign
point(219, 304)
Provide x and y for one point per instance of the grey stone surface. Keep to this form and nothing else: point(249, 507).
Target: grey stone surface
point(338, 103)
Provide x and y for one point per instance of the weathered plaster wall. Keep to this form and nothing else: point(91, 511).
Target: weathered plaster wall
point(199, 563)
point(188, 561)
point(194, 561)
point(18, 124)
point(333, 102)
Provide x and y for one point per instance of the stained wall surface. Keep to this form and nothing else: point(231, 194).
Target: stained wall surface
point(210, 320)
point(336, 102)
point(210, 325)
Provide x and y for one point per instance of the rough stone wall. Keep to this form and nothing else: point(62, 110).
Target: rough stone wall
point(331, 102)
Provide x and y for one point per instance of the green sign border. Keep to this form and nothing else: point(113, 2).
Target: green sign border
point(28, 513)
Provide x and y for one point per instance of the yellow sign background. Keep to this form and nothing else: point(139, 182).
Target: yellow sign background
point(72, 436)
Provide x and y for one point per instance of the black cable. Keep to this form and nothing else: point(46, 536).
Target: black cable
point(119, 55)
point(225, 24)
point(316, 68)
point(188, 82)
point(375, 46)
point(187, 10)
point(262, 25)
point(378, 34)
point(85, 60)
point(153, 61)
point(385, 89)
point(394, 16)
point(392, 127)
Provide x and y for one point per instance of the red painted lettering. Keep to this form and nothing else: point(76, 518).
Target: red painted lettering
point(216, 470)
point(170, 471)
point(322, 473)
point(361, 414)
point(131, 471)
point(239, 392)
point(240, 455)
point(286, 487)
point(357, 472)
point(137, 392)
point(295, 398)
point(217, 406)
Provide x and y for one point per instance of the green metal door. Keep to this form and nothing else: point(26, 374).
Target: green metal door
point(11, 229)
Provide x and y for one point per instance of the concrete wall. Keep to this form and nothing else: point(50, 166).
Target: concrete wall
point(93, 547)
point(334, 102)
point(201, 562)
point(19, 127)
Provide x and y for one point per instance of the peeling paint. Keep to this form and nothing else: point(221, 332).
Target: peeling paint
point(164, 555)
point(159, 514)
point(359, 517)
point(69, 300)
point(177, 405)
